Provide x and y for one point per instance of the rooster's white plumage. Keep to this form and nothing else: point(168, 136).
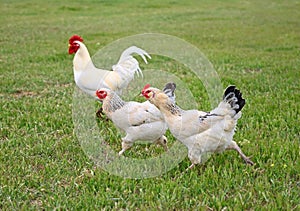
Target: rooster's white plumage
point(90, 78)
point(202, 132)
point(140, 121)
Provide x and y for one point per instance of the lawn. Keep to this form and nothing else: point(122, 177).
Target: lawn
point(252, 44)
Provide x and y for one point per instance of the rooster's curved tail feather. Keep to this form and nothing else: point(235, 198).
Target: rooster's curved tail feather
point(127, 65)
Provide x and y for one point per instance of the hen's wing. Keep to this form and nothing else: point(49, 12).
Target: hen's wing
point(142, 113)
point(195, 122)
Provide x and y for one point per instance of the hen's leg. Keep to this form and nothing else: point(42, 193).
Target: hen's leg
point(125, 145)
point(100, 114)
point(163, 142)
point(233, 146)
point(194, 155)
point(190, 167)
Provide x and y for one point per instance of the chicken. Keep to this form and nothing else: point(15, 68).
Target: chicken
point(140, 121)
point(89, 78)
point(203, 133)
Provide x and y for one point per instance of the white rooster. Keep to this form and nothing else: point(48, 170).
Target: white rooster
point(90, 78)
point(202, 132)
point(140, 121)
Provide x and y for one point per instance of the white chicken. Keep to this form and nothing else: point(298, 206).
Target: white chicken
point(89, 78)
point(140, 121)
point(202, 132)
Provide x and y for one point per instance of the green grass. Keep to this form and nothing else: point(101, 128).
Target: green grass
point(252, 44)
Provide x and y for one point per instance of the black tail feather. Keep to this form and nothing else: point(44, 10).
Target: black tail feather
point(169, 90)
point(234, 97)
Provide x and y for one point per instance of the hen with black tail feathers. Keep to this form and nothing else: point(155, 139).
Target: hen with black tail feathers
point(202, 132)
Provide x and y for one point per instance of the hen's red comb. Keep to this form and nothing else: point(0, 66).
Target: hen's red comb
point(146, 87)
point(75, 38)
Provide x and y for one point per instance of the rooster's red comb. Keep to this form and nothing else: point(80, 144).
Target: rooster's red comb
point(75, 38)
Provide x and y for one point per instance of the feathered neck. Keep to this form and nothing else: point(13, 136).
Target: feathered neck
point(82, 58)
point(166, 105)
point(112, 103)
point(174, 109)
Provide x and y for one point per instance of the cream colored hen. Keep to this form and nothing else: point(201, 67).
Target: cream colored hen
point(202, 132)
point(140, 121)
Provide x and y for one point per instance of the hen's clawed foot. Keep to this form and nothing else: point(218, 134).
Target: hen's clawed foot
point(101, 115)
point(248, 161)
point(233, 145)
point(190, 167)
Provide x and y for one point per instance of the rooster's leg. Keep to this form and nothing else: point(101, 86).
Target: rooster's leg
point(233, 146)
